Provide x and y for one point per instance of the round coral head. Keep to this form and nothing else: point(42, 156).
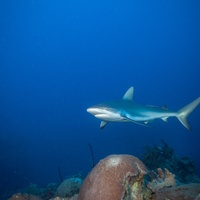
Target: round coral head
point(114, 178)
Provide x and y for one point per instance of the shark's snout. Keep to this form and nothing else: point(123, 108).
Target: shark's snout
point(93, 111)
point(104, 113)
point(98, 112)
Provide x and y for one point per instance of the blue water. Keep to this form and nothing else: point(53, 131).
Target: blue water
point(57, 58)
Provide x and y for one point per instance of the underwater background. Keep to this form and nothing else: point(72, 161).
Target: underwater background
point(60, 57)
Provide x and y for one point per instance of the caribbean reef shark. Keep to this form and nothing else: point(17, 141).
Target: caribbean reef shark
point(126, 110)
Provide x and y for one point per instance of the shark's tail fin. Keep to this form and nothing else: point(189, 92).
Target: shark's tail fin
point(185, 111)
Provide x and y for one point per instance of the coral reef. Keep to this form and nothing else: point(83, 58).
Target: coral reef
point(115, 177)
point(69, 187)
point(25, 196)
point(33, 189)
point(67, 190)
point(125, 177)
point(74, 197)
point(184, 169)
point(44, 193)
point(20, 196)
point(163, 157)
point(155, 157)
point(161, 179)
point(49, 191)
point(181, 192)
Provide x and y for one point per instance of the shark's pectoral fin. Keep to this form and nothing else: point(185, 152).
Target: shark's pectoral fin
point(103, 124)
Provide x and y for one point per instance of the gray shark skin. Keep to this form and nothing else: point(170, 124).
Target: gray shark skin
point(126, 110)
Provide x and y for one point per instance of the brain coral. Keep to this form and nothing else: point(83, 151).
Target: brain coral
point(115, 177)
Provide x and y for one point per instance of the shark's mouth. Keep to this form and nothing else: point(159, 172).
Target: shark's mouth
point(103, 116)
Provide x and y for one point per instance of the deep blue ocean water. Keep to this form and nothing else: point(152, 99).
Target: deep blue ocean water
point(57, 58)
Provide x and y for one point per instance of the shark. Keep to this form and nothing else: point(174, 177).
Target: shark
point(126, 110)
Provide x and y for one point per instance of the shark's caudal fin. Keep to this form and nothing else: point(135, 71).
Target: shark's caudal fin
point(185, 111)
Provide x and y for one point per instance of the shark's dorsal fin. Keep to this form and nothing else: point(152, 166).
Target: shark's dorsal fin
point(129, 94)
